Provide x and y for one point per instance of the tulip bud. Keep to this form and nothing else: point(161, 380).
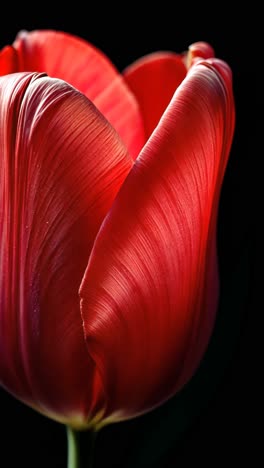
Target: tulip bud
point(108, 267)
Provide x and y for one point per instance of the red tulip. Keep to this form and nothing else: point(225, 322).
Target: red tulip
point(108, 269)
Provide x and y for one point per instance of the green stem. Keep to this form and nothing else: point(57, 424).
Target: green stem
point(80, 448)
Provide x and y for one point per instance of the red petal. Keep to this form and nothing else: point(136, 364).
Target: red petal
point(61, 166)
point(8, 60)
point(153, 79)
point(149, 293)
point(67, 57)
point(199, 50)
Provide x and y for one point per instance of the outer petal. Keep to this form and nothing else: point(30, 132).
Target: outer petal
point(67, 57)
point(61, 165)
point(149, 293)
point(154, 79)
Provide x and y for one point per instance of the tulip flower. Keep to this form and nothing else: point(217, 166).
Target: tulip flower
point(109, 191)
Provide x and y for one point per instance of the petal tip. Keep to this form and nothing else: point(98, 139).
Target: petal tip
point(201, 50)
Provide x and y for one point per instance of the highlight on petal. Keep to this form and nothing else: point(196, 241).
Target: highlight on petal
point(86, 68)
point(149, 294)
point(153, 80)
point(61, 166)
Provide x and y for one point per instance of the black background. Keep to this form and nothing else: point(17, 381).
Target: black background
point(226, 430)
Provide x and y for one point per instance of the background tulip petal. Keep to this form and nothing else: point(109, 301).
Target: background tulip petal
point(74, 60)
point(154, 79)
point(8, 60)
point(149, 294)
point(61, 166)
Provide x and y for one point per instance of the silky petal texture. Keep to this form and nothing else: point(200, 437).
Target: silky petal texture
point(61, 166)
point(153, 80)
point(149, 294)
point(72, 59)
